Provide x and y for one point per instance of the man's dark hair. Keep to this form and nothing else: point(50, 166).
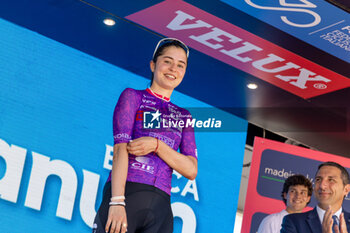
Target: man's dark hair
point(344, 173)
point(296, 180)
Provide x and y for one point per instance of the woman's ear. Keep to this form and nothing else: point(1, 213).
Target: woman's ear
point(152, 66)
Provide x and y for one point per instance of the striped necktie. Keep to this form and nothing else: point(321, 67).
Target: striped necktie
point(335, 222)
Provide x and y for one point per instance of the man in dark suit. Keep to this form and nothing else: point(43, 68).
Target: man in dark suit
point(331, 187)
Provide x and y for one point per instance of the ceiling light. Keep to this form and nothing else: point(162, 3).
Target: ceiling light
point(109, 22)
point(252, 86)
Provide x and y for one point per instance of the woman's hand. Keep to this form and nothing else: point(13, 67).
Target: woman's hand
point(142, 146)
point(185, 165)
point(116, 222)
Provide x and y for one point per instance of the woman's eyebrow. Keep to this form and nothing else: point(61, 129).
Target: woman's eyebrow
point(173, 59)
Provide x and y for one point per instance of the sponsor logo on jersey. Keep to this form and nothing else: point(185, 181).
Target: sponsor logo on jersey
point(143, 163)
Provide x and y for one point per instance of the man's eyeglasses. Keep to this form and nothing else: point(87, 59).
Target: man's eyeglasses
point(169, 40)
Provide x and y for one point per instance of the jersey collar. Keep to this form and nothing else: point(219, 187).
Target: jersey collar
point(158, 95)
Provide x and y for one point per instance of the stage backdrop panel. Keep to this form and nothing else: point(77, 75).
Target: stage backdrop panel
point(56, 107)
point(318, 23)
point(272, 163)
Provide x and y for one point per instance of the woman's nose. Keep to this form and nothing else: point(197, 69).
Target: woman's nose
point(172, 67)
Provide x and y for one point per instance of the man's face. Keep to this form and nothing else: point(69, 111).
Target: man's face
point(329, 188)
point(297, 198)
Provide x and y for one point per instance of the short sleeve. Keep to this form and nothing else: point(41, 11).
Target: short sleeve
point(266, 225)
point(124, 116)
point(188, 142)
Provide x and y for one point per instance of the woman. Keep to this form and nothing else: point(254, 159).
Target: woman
point(147, 134)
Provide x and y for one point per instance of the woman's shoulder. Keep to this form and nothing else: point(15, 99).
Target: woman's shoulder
point(130, 92)
point(130, 96)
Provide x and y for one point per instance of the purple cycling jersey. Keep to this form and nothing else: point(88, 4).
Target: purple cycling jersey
point(140, 113)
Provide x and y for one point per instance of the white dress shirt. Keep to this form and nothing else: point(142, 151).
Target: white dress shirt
point(321, 213)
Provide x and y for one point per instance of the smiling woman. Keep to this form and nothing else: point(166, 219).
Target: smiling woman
point(168, 65)
point(137, 194)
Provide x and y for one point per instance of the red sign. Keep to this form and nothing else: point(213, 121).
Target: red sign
point(239, 48)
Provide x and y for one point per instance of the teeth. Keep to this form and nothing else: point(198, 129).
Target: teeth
point(170, 76)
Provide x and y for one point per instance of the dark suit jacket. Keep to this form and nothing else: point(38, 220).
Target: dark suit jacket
point(307, 222)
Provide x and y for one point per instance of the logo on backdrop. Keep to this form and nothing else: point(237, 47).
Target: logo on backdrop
point(242, 49)
point(292, 7)
point(323, 25)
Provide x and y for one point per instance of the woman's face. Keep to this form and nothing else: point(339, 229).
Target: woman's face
point(170, 68)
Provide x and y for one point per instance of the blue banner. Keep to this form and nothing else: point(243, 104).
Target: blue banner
point(318, 23)
point(56, 108)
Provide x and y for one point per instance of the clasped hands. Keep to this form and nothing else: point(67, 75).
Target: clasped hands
point(142, 146)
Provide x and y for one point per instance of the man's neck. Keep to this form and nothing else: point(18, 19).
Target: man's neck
point(292, 211)
point(334, 208)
